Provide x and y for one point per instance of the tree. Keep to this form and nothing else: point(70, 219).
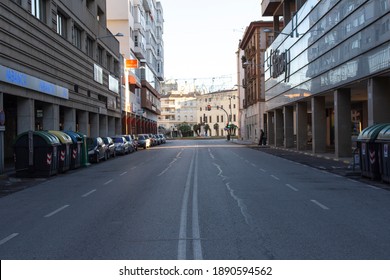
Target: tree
point(216, 127)
point(196, 129)
point(185, 129)
point(207, 129)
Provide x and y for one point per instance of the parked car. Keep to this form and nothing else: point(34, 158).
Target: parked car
point(110, 146)
point(158, 139)
point(162, 137)
point(129, 139)
point(143, 141)
point(135, 141)
point(122, 147)
point(153, 140)
point(97, 150)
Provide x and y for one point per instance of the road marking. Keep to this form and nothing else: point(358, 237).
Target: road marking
point(254, 165)
point(108, 182)
point(276, 178)
point(373, 187)
point(291, 187)
point(196, 243)
point(319, 204)
point(56, 211)
point(8, 238)
point(88, 193)
point(182, 245)
point(211, 154)
point(124, 173)
point(179, 154)
point(134, 167)
point(262, 170)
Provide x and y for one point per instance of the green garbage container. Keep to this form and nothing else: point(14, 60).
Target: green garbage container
point(75, 149)
point(63, 150)
point(369, 151)
point(35, 154)
point(84, 150)
point(383, 141)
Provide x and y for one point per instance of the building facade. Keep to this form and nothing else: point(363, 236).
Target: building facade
point(141, 22)
point(177, 108)
point(218, 109)
point(251, 79)
point(59, 68)
point(327, 73)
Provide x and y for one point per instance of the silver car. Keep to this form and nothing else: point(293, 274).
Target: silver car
point(122, 147)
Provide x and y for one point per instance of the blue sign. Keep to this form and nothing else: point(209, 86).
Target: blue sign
point(17, 78)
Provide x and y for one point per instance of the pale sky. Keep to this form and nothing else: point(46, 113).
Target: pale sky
point(201, 38)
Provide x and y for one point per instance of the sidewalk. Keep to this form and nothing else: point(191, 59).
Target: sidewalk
point(326, 162)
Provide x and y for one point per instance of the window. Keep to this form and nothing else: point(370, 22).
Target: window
point(221, 118)
point(90, 4)
point(99, 54)
point(136, 40)
point(38, 9)
point(77, 37)
point(61, 24)
point(217, 119)
point(90, 47)
point(116, 67)
point(234, 117)
point(109, 62)
point(210, 119)
point(100, 15)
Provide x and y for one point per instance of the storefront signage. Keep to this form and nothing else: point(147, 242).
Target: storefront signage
point(280, 64)
point(20, 79)
point(113, 84)
point(98, 73)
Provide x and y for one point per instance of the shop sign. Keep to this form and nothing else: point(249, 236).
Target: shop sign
point(98, 74)
point(113, 84)
point(280, 64)
point(20, 79)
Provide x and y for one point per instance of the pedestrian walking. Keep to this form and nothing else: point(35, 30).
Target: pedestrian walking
point(261, 141)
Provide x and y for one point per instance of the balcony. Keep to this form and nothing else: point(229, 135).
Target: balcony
point(268, 7)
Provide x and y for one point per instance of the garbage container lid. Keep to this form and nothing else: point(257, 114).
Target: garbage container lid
point(384, 134)
point(76, 138)
point(50, 139)
point(63, 137)
point(371, 133)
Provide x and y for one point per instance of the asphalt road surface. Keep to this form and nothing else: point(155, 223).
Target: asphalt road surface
point(203, 199)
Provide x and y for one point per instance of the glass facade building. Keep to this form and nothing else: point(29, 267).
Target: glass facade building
point(329, 48)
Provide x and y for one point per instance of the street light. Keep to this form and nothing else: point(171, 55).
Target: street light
point(111, 35)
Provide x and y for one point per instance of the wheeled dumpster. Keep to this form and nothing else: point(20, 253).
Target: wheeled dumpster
point(84, 150)
point(35, 154)
point(75, 149)
point(63, 150)
point(383, 140)
point(369, 151)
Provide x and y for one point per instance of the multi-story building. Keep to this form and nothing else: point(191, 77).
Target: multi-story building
point(218, 109)
point(141, 21)
point(177, 108)
point(330, 63)
point(251, 79)
point(59, 68)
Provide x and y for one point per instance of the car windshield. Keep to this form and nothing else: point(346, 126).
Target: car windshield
point(118, 140)
point(141, 137)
